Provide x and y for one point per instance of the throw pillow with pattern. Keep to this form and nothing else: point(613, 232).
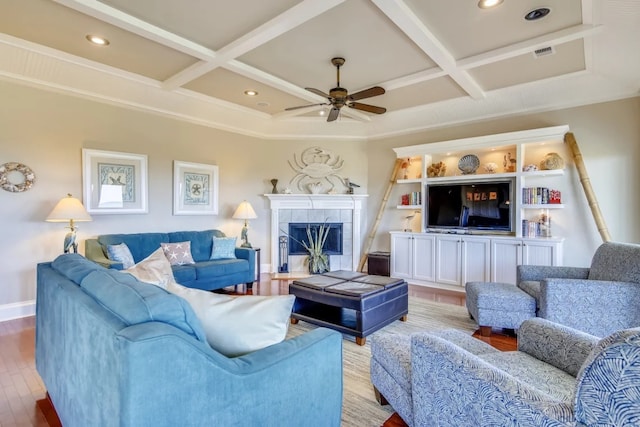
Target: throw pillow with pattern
point(120, 253)
point(223, 248)
point(178, 253)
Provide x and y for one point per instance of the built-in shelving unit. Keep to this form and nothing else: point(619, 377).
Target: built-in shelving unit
point(426, 256)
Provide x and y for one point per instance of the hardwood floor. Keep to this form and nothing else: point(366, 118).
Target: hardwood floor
point(23, 399)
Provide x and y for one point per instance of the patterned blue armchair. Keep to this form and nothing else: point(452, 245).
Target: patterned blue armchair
point(598, 300)
point(558, 377)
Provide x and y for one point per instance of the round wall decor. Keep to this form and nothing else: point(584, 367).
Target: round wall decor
point(16, 177)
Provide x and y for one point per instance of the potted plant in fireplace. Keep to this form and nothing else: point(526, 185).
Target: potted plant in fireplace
point(317, 260)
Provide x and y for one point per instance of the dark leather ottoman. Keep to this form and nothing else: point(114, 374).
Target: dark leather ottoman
point(352, 303)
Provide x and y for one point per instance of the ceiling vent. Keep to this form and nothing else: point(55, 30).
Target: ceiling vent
point(543, 51)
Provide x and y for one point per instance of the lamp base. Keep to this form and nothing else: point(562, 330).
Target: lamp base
point(246, 245)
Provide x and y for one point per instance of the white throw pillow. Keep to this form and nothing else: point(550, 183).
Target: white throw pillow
point(154, 269)
point(239, 325)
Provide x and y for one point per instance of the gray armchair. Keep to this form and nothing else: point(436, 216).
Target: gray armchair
point(598, 300)
point(559, 377)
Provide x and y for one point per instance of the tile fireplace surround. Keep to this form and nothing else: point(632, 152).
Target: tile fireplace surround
point(344, 208)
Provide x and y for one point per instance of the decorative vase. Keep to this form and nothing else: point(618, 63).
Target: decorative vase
point(318, 264)
point(274, 182)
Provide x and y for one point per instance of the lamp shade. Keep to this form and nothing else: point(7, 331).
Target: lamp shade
point(244, 211)
point(69, 209)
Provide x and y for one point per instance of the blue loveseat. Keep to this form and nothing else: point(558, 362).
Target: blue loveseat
point(113, 351)
point(205, 274)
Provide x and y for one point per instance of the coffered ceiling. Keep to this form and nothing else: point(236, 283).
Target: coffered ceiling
point(440, 62)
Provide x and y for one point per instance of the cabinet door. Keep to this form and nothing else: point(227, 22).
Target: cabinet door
point(401, 255)
point(476, 260)
point(541, 253)
point(506, 255)
point(448, 260)
point(424, 257)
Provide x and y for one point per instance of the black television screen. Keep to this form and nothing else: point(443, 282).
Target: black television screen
point(470, 205)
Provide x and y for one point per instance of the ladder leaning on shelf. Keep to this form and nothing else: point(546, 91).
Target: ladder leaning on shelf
point(570, 140)
point(383, 204)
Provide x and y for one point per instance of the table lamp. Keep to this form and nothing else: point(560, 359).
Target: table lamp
point(245, 211)
point(69, 209)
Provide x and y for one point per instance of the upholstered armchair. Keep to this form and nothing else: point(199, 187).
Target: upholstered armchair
point(598, 300)
point(558, 377)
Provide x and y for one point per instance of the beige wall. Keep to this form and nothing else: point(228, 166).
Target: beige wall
point(47, 131)
point(608, 135)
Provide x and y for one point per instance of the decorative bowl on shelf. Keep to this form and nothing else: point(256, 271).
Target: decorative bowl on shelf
point(468, 164)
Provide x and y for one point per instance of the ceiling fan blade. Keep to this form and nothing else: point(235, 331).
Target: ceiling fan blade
point(368, 108)
point(304, 106)
point(318, 92)
point(333, 114)
point(367, 93)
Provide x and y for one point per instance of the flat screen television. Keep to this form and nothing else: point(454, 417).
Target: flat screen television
point(470, 205)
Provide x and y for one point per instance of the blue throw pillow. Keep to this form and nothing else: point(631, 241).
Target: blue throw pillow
point(121, 253)
point(223, 248)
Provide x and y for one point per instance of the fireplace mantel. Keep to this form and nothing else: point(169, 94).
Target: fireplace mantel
point(352, 202)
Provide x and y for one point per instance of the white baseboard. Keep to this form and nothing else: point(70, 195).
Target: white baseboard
point(17, 310)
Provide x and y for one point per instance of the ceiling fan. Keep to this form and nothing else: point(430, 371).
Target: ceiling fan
point(338, 97)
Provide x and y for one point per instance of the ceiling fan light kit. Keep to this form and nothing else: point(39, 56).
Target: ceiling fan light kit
point(338, 97)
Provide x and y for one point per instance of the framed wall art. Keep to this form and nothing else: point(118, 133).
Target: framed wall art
point(114, 183)
point(195, 189)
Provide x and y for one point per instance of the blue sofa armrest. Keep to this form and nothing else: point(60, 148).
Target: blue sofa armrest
point(250, 255)
point(296, 382)
point(93, 251)
point(563, 347)
point(539, 272)
point(573, 302)
point(452, 387)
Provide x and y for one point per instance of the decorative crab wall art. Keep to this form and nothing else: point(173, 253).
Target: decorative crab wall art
point(316, 164)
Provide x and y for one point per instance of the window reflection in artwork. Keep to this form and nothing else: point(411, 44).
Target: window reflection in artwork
point(124, 175)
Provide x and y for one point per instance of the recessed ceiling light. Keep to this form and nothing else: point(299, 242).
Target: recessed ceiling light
point(538, 13)
point(486, 4)
point(100, 41)
point(250, 92)
point(322, 112)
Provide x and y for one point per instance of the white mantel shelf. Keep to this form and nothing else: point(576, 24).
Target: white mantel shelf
point(351, 202)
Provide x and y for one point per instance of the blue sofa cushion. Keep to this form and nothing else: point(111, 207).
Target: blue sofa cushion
point(141, 245)
point(137, 302)
point(219, 267)
point(201, 242)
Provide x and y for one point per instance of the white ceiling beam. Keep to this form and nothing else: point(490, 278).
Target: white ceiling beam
point(266, 32)
point(412, 79)
point(528, 46)
point(270, 80)
point(134, 25)
point(407, 21)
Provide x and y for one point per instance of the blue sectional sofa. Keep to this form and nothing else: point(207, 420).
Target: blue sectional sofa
point(205, 274)
point(113, 351)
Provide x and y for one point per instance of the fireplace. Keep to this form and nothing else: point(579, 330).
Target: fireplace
point(298, 235)
point(344, 209)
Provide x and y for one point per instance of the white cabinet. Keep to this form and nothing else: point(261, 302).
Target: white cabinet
point(507, 254)
point(451, 260)
point(413, 256)
point(462, 259)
